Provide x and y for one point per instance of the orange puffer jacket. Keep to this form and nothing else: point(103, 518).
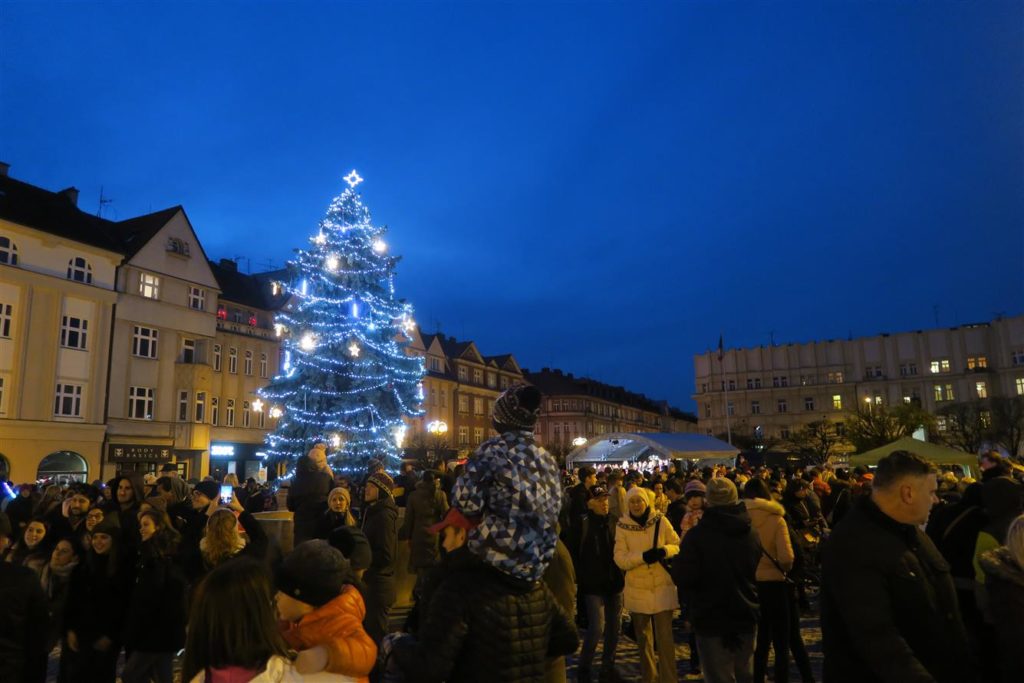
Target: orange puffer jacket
point(338, 627)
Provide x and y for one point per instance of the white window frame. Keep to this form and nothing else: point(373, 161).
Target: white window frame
point(188, 350)
point(8, 251)
point(149, 286)
point(214, 410)
point(782, 406)
point(755, 407)
point(463, 404)
point(263, 365)
point(233, 360)
point(145, 335)
point(140, 397)
point(183, 406)
point(463, 374)
point(463, 436)
point(196, 298)
point(79, 270)
point(248, 362)
point(229, 413)
point(216, 357)
point(478, 405)
point(837, 401)
point(246, 414)
point(478, 376)
point(808, 403)
point(1019, 383)
point(6, 320)
point(478, 435)
point(981, 389)
point(74, 333)
point(68, 395)
point(261, 419)
point(199, 416)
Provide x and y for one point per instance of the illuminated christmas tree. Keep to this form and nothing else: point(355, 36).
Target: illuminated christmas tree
point(345, 377)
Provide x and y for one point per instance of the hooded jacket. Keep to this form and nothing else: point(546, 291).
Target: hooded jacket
point(888, 607)
point(482, 624)
point(649, 588)
point(338, 627)
point(767, 518)
point(1004, 580)
point(514, 486)
point(307, 497)
point(716, 572)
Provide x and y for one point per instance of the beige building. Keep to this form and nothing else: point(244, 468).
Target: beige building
point(778, 389)
point(57, 293)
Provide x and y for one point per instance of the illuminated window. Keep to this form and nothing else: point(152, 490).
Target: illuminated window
point(977, 362)
point(837, 402)
point(982, 389)
point(149, 286)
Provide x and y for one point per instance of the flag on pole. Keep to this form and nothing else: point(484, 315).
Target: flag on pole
point(721, 351)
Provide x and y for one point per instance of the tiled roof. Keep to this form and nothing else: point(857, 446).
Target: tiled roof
point(241, 288)
point(55, 213)
point(136, 232)
point(554, 382)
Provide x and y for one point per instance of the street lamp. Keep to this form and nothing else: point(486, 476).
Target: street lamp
point(437, 427)
point(579, 441)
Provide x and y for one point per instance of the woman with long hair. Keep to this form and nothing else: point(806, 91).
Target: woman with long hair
point(155, 625)
point(222, 540)
point(338, 513)
point(33, 550)
point(56, 581)
point(233, 635)
point(94, 612)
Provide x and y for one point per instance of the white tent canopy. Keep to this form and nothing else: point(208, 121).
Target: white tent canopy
point(638, 447)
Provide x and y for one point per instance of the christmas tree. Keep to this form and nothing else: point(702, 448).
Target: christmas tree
point(346, 378)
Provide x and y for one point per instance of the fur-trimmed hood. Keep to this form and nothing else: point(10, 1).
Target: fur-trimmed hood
point(999, 563)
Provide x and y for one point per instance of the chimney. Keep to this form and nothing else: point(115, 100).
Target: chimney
point(71, 193)
point(228, 264)
point(4, 168)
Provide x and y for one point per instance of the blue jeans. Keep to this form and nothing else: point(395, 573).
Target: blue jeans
point(604, 615)
point(723, 662)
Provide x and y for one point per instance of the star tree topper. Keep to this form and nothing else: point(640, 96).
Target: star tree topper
point(353, 179)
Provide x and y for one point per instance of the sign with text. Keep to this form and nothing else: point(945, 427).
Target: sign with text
point(119, 452)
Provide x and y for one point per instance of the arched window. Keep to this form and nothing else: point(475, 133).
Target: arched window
point(62, 467)
point(8, 251)
point(79, 270)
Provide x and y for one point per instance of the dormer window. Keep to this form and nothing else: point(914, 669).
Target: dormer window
point(275, 288)
point(79, 270)
point(8, 251)
point(178, 246)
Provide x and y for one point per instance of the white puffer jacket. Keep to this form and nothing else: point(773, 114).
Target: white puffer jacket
point(649, 588)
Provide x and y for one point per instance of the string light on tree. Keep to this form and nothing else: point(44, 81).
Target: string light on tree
point(276, 413)
point(347, 379)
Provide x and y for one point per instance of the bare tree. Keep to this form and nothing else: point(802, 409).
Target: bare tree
point(818, 441)
point(874, 426)
point(1007, 428)
point(968, 425)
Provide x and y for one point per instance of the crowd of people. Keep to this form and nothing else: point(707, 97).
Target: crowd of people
point(918, 575)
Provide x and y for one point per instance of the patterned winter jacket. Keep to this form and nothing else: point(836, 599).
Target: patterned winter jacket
point(513, 485)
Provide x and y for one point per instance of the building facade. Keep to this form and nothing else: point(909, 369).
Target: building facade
point(771, 391)
point(580, 407)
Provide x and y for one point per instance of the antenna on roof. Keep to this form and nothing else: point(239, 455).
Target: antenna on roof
point(103, 202)
point(248, 263)
point(268, 264)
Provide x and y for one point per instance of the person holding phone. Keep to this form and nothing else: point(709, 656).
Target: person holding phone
point(223, 542)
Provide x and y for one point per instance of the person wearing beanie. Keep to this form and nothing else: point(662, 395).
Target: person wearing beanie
point(514, 487)
point(25, 623)
point(723, 605)
point(307, 494)
point(338, 513)
point(380, 524)
point(178, 486)
point(694, 494)
point(322, 612)
point(643, 541)
point(425, 506)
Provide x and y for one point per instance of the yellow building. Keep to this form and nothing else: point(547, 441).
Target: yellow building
point(58, 270)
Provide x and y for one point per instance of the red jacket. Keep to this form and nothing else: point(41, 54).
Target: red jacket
point(338, 627)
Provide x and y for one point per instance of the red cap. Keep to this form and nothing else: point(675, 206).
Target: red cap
point(453, 518)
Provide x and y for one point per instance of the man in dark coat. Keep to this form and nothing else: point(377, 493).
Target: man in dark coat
point(307, 496)
point(889, 609)
point(600, 583)
point(424, 507)
point(380, 524)
point(25, 622)
point(483, 624)
point(716, 574)
point(676, 503)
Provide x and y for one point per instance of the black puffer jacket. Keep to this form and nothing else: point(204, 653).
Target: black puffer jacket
point(888, 609)
point(715, 571)
point(483, 625)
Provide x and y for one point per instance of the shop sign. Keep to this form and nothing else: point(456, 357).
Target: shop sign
point(138, 453)
point(222, 450)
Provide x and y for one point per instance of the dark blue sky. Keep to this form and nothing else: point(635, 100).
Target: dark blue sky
point(602, 187)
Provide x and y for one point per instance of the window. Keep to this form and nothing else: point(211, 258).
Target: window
point(981, 388)
point(985, 417)
point(492, 380)
point(780, 381)
point(729, 408)
point(707, 410)
point(144, 341)
point(6, 313)
point(784, 433)
point(261, 418)
point(732, 385)
point(503, 383)
point(840, 428)
point(178, 246)
point(435, 365)
point(755, 407)
point(216, 357)
point(233, 360)
point(263, 365)
point(943, 392)
point(246, 414)
point(79, 270)
point(1020, 386)
point(463, 436)
point(977, 362)
point(68, 401)
point(463, 374)
point(941, 424)
point(149, 286)
point(834, 378)
point(1017, 357)
point(908, 369)
point(2, 411)
point(229, 415)
point(837, 402)
point(140, 403)
point(750, 383)
point(73, 332)
point(478, 435)
point(214, 411)
point(478, 376)
point(197, 298)
point(182, 406)
point(809, 403)
point(478, 405)
point(8, 251)
point(937, 366)
point(188, 350)
point(248, 363)
point(782, 405)
point(463, 404)
point(222, 314)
